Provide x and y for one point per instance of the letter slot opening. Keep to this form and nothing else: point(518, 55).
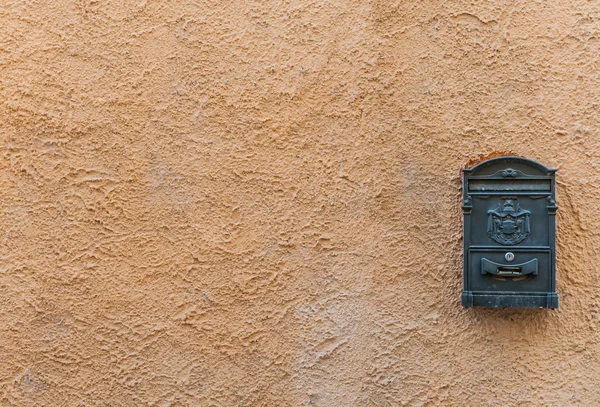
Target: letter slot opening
point(508, 270)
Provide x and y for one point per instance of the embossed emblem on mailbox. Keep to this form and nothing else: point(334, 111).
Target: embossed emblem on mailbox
point(508, 225)
point(509, 213)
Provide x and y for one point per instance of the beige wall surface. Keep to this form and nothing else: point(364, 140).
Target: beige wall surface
point(257, 203)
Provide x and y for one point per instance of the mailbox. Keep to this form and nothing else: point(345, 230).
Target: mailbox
point(509, 213)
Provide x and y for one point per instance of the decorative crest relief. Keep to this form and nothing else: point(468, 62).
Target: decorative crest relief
point(508, 225)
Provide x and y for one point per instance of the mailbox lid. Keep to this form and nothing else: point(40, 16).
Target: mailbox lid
point(510, 167)
point(509, 176)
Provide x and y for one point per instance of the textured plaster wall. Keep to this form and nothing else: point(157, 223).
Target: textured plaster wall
point(256, 203)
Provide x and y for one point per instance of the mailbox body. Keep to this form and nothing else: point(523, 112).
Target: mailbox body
point(509, 234)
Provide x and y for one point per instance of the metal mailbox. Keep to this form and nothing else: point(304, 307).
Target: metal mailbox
point(509, 213)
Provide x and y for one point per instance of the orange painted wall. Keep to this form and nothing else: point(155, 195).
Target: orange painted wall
point(257, 203)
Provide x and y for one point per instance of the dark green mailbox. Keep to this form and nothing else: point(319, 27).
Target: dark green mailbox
point(509, 234)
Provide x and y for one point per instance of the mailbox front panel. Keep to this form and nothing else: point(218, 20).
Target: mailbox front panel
point(492, 216)
point(509, 234)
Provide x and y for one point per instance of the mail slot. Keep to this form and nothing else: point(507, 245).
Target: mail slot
point(516, 270)
point(509, 213)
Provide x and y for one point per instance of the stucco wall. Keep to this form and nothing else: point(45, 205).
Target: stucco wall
point(257, 203)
